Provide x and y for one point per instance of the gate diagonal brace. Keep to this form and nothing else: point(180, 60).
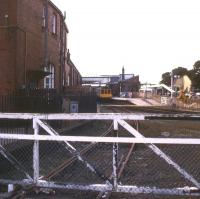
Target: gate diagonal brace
point(14, 161)
point(160, 153)
point(74, 152)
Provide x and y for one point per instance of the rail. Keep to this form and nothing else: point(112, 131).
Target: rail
point(111, 184)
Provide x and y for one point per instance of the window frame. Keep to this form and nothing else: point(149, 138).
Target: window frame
point(54, 24)
point(44, 16)
point(49, 81)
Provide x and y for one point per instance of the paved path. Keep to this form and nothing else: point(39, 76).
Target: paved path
point(139, 101)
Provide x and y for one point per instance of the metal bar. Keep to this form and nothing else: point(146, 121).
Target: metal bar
point(73, 151)
point(183, 191)
point(17, 182)
point(14, 161)
point(144, 140)
point(106, 194)
point(116, 127)
point(161, 154)
point(100, 116)
point(191, 191)
point(115, 164)
point(72, 116)
point(187, 191)
point(91, 116)
point(115, 156)
point(36, 152)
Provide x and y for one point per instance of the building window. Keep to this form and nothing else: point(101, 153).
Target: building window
point(50, 79)
point(54, 24)
point(44, 17)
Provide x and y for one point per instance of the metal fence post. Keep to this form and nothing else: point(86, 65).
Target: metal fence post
point(35, 152)
point(115, 156)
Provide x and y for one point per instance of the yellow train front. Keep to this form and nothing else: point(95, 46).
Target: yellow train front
point(104, 94)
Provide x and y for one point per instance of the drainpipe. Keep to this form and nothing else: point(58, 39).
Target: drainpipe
point(25, 59)
point(25, 52)
point(46, 35)
point(61, 53)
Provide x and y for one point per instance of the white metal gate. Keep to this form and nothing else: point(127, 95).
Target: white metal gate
point(112, 183)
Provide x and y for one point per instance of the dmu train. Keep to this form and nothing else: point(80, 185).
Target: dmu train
point(104, 93)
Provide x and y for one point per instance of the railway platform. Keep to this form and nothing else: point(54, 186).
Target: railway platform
point(139, 101)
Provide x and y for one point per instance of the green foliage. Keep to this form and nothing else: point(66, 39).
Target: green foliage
point(193, 74)
point(180, 71)
point(166, 78)
point(196, 66)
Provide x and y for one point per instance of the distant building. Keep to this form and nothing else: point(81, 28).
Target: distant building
point(127, 87)
point(118, 83)
point(105, 80)
point(33, 46)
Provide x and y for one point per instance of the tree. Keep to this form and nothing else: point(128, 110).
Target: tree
point(179, 71)
point(196, 66)
point(193, 74)
point(166, 78)
point(196, 75)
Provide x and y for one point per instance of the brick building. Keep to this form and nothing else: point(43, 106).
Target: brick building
point(33, 46)
point(126, 86)
point(122, 84)
point(74, 78)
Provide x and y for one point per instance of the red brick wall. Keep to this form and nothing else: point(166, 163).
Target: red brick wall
point(8, 7)
point(7, 60)
point(7, 45)
point(22, 48)
point(74, 77)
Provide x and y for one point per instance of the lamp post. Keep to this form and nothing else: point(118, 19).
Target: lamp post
point(171, 84)
point(173, 79)
point(145, 92)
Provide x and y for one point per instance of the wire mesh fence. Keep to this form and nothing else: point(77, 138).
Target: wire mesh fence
point(92, 163)
point(16, 162)
point(145, 168)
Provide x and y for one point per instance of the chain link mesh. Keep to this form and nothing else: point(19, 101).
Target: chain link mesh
point(144, 167)
point(16, 155)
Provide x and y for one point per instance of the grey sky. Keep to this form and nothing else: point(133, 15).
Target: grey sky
point(147, 37)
